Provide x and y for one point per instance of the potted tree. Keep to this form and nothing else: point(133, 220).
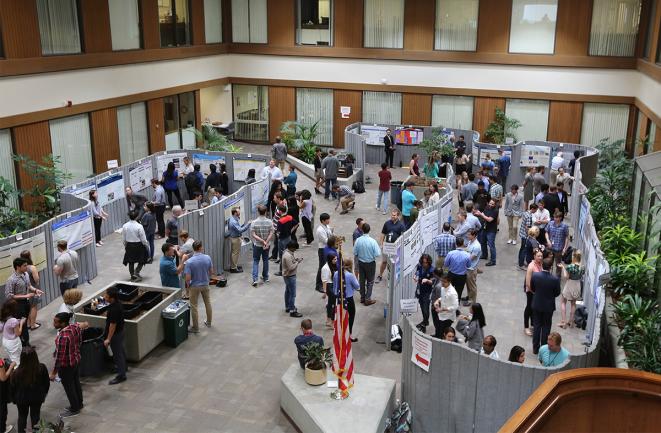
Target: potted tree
point(317, 358)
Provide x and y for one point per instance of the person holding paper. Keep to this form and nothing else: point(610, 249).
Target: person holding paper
point(236, 230)
point(445, 301)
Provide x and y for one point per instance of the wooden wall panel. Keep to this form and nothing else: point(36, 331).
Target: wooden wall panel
point(151, 35)
point(197, 22)
point(155, 121)
point(31, 140)
point(105, 138)
point(565, 120)
point(484, 112)
point(416, 109)
point(419, 22)
point(345, 98)
point(281, 23)
point(95, 19)
point(282, 107)
point(572, 38)
point(657, 139)
point(493, 25)
point(20, 28)
point(348, 23)
point(227, 20)
point(630, 142)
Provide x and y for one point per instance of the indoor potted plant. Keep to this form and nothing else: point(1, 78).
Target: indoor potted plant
point(317, 358)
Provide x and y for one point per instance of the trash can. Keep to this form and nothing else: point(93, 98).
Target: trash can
point(396, 193)
point(176, 318)
point(92, 353)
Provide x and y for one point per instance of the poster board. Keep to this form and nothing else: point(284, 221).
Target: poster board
point(408, 136)
point(493, 154)
point(421, 353)
point(535, 156)
point(82, 191)
point(141, 175)
point(475, 155)
point(110, 189)
point(259, 194)
point(76, 230)
point(236, 201)
point(242, 165)
point(428, 227)
point(162, 161)
point(412, 245)
point(373, 134)
point(37, 247)
point(205, 160)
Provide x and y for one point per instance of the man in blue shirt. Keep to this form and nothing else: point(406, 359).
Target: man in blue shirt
point(391, 231)
point(407, 202)
point(443, 244)
point(168, 269)
point(306, 338)
point(236, 229)
point(557, 239)
point(488, 165)
point(457, 262)
point(366, 250)
point(349, 286)
point(475, 250)
point(290, 181)
point(198, 269)
point(552, 354)
point(504, 164)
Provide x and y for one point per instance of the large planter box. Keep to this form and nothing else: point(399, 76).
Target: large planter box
point(143, 333)
point(308, 170)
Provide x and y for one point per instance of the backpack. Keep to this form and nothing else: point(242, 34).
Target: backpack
point(566, 258)
point(358, 187)
point(581, 317)
point(191, 181)
point(396, 338)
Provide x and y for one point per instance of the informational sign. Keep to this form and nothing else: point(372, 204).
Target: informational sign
point(76, 230)
point(191, 205)
point(112, 163)
point(162, 161)
point(110, 189)
point(205, 161)
point(412, 249)
point(242, 165)
point(373, 134)
point(421, 353)
point(82, 191)
point(429, 227)
point(233, 202)
point(37, 247)
point(493, 154)
point(408, 306)
point(389, 248)
point(141, 175)
point(259, 194)
point(345, 111)
point(534, 156)
point(408, 136)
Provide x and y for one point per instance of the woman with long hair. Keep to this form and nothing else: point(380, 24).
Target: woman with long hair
point(431, 168)
point(517, 354)
point(29, 387)
point(11, 328)
point(535, 265)
point(327, 273)
point(424, 278)
point(33, 273)
point(99, 215)
point(471, 327)
point(276, 186)
point(251, 176)
point(169, 182)
point(571, 292)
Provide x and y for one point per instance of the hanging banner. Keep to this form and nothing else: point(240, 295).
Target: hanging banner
point(535, 156)
point(162, 162)
point(421, 354)
point(76, 230)
point(110, 189)
point(233, 202)
point(429, 227)
point(141, 175)
point(205, 161)
point(259, 194)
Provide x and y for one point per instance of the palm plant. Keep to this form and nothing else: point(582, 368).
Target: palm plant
point(640, 335)
point(300, 138)
point(213, 140)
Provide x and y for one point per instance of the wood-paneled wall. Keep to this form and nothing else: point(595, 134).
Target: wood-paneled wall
point(565, 120)
point(282, 107)
point(348, 23)
point(31, 140)
point(484, 112)
point(281, 22)
point(20, 28)
point(197, 22)
point(226, 6)
point(416, 109)
point(151, 32)
point(345, 98)
point(572, 38)
point(95, 19)
point(419, 24)
point(156, 121)
point(493, 25)
point(105, 138)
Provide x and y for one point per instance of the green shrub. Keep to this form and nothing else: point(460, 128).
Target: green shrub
point(502, 128)
point(640, 336)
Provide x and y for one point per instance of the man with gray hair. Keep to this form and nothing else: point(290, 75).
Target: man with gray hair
point(172, 226)
point(279, 152)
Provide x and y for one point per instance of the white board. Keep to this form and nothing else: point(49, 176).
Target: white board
point(205, 160)
point(373, 134)
point(82, 191)
point(110, 189)
point(162, 162)
point(140, 176)
point(236, 201)
point(242, 165)
point(534, 156)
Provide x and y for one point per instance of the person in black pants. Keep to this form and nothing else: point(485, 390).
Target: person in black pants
point(424, 278)
point(114, 333)
point(67, 359)
point(389, 143)
point(29, 387)
point(349, 285)
point(546, 287)
point(5, 392)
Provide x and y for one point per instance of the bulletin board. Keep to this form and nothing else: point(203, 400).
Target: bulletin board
point(242, 165)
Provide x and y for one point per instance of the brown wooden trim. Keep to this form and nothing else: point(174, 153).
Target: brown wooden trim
point(198, 32)
point(149, 27)
point(655, 118)
point(630, 143)
point(645, 9)
point(650, 69)
point(54, 113)
point(156, 125)
point(655, 35)
point(20, 29)
point(226, 10)
point(105, 138)
point(95, 20)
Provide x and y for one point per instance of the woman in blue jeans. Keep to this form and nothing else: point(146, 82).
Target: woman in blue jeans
point(424, 278)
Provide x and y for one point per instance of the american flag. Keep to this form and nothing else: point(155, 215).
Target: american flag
point(342, 357)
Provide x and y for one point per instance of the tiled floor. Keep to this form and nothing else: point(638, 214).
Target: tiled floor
point(226, 379)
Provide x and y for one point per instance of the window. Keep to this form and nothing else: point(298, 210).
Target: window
point(384, 23)
point(249, 21)
point(382, 107)
point(174, 22)
point(533, 115)
point(614, 27)
point(650, 31)
point(316, 105)
point(71, 142)
point(452, 111)
point(213, 21)
point(132, 126)
point(604, 121)
point(533, 26)
point(59, 28)
point(7, 162)
point(124, 24)
point(251, 112)
point(180, 121)
point(456, 25)
point(313, 26)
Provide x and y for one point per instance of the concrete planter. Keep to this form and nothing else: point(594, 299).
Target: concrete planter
point(308, 170)
point(618, 357)
point(315, 377)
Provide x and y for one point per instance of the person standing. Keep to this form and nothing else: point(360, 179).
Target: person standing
point(33, 273)
point(557, 239)
point(29, 387)
point(475, 250)
point(408, 198)
point(526, 224)
point(236, 230)
point(513, 211)
point(279, 152)
point(168, 269)
point(348, 286)
point(188, 166)
point(572, 163)
point(383, 194)
point(272, 170)
point(18, 288)
point(148, 222)
point(458, 262)
point(158, 200)
point(99, 215)
point(540, 219)
point(289, 267)
point(12, 328)
point(571, 292)
point(225, 179)
point(414, 169)
point(444, 243)
point(468, 189)
point(285, 227)
point(136, 246)
point(546, 288)
point(551, 199)
point(528, 187)
point(330, 165)
point(261, 234)
point(366, 250)
point(538, 180)
point(277, 204)
point(557, 162)
point(5, 393)
point(562, 197)
point(169, 180)
point(327, 272)
point(324, 231)
point(306, 207)
point(389, 146)
point(213, 179)
point(67, 360)
point(534, 266)
point(392, 229)
point(552, 353)
point(114, 333)
point(487, 165)
point(290, 181)
point(66, 265)
point(472, 327)
point(250, 178)
point(172, 226)
point(198, 269)
point(423, 277)
point(504, 164)
point(481, 196)
point(496, 192)
point(318, 172)
point(490, 216)
point(445, 302)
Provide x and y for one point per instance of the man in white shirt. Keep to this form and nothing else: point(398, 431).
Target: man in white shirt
point(489, 347)
point(136, 246)
point(540, 219)
point(323, 232)
point(273, 171)
point(188, 166)
point(557, 162)
point(445, 301)
point(66, 266)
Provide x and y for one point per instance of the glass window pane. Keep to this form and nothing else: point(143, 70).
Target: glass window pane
point(174, 22)
point(7, 162)
point(171, 113)
point(258, 21)
point(58, 26)
point(240, 21)
point(124, 24)
point(187, 119)
point(251, 112)
point(313, 26)
point(249, 21)
point(614, 27)
point(132, 127)
point(604, 121)
point(533, 26)
point(384, 23)
point(213, 21)
point(316, 105)
point(534, 118)
point(452, 111)
point(382, 107)
point(456, 25)
point(70, 140)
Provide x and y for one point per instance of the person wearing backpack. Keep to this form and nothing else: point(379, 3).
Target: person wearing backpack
point(29, 386)
point(194, 181)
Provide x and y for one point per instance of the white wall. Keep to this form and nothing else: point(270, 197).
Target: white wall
point(216, 103)
point(39, 92)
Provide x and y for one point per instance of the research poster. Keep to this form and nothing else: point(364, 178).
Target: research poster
point(428, 227)
point(242, 165)
point(205, 161)
point(110, 189)
point(163, 161)
point(39, 258)
point(493, 153)
point(373, 134)
point(141, 175)
point(412, 249)
point(408, 136)
point(421, 353)
point(230, 204)
point(82, 191)
point(259, 194)
point(76, 230)
point(535, 156)
point(9, 252)
point(475, 155)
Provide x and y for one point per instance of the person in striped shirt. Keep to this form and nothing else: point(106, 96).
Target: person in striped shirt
point(345, 197)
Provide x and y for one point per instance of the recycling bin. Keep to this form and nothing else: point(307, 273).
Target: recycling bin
point(92, 353)
point(176, 318)
point(396, 193)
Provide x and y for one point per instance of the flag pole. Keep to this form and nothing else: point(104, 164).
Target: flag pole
point(340, 394)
